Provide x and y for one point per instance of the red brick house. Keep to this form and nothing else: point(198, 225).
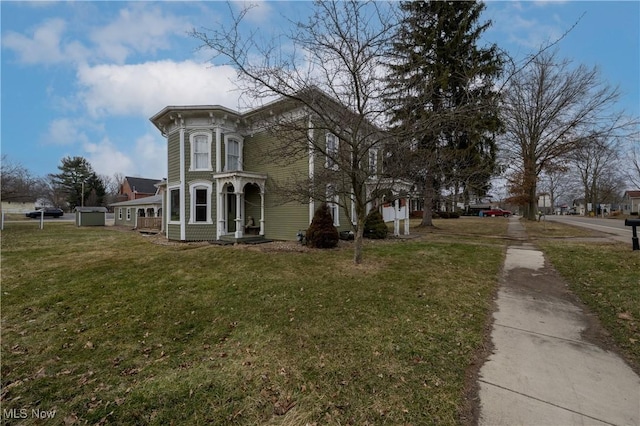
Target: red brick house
point(133, 188)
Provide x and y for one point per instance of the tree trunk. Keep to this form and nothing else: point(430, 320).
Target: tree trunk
point(427, 214)
point(358, 241)
point(532, 203)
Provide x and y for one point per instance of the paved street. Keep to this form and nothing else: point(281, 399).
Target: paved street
point(614, 227)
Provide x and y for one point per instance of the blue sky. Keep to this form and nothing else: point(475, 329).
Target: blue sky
point(83, 78)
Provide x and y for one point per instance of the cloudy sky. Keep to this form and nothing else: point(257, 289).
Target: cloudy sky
point(83, 78)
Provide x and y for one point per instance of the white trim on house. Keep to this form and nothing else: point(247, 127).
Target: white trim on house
point(312, 165)
point(218, 149)
point(183, 195)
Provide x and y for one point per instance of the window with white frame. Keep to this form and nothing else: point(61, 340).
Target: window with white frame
point(332, 203)
point(331, 150)
point(233, 155)
point(174, 205)
point(373, 162)
point(200, 192)
point(200, 151)
point(120, 213)
point(128, 214)
point(200, 205)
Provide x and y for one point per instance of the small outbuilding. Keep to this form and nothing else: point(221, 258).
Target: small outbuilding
point(91, 216)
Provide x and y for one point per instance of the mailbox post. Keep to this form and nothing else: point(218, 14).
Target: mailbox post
point(634, 223)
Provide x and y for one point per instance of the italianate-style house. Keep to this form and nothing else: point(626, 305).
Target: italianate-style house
point(222, 185)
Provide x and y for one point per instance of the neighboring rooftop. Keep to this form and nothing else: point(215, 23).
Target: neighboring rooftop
point(142, 185)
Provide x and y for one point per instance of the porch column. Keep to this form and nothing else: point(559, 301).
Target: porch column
point(220, 209)
point(261, 211)
point(406, 216)
point(239, 214)
point(396, 219)
point(218, 150)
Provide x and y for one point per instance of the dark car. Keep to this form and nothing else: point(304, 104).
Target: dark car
point(48, 212)
point(497, 212)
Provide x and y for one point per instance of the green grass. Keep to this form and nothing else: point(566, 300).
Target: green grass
point(105, 326)
point(606, 277)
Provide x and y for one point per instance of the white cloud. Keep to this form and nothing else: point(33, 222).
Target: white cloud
point(43, 47)
point(69, 131)
point(259, 11)
point(144, 89)
point(106, 159)
point(138, 29)
point(147, 157)
point(151, 154)
point(523, 26)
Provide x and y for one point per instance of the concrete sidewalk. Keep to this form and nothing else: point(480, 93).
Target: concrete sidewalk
point(548, 366)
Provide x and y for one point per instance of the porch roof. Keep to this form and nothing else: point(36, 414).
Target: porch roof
point(153, 200)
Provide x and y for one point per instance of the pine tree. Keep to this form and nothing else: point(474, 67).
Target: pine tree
point(321, 232)
point(74, 171)
point(442, 102)
point(374, 226)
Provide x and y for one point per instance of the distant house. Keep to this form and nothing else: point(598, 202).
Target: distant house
point(135, 187)
point(140, 213)
point(17, 206)
point(631, 202)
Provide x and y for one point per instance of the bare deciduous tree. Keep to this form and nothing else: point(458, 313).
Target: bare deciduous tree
point(633, 173)
point(596, 161)
point(550, 109)
point(329, 69)
point(557, 183)
point(18, 184)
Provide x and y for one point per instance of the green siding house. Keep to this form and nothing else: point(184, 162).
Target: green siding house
point(220, 184)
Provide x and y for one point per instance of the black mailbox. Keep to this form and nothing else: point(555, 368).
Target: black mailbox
point(634, 223)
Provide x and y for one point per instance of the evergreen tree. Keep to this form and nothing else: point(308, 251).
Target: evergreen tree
point(442, 101)
point(321, 232)
point(374, 226)
point(74, 171)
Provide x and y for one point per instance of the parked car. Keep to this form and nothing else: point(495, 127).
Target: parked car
point(48, 212)
point(496, 212)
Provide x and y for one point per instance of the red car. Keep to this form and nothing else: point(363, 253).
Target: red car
point(496, 212)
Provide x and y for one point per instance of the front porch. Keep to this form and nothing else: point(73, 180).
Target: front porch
point(240, 206)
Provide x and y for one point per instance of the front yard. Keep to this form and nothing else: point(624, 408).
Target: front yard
point(106, 327)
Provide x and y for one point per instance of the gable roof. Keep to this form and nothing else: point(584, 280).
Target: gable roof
point(142, 185)
point(633, 194)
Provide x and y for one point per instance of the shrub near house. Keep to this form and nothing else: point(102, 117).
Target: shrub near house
point(374, 226)
point(321, 232)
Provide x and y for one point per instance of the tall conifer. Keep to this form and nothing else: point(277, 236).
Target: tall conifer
point(442, 100)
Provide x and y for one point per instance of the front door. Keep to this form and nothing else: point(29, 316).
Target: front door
point(231, 213)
